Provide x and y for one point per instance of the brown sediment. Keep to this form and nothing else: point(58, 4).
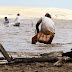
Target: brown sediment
point(45, 63)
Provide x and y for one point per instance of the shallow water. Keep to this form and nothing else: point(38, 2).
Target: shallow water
point(17, 40)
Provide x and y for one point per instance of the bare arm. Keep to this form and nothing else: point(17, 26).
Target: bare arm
point(15, 19)
point(37, 25)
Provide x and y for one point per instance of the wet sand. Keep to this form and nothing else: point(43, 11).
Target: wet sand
point(17, 42)
point(36, 67)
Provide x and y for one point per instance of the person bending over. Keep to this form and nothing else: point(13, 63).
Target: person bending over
point(46, 34)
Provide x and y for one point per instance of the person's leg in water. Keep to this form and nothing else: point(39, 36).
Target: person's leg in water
point(17, 24)
point(34, 39)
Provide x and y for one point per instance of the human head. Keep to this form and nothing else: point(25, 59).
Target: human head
point(18, 14)
point(5, 17)
point(48, 15)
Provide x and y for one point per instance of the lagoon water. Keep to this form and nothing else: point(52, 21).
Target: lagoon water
point(17, 40)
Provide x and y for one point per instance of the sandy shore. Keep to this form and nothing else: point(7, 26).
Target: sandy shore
point(34, 12)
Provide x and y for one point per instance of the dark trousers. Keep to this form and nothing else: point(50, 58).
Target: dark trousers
point(17, 24)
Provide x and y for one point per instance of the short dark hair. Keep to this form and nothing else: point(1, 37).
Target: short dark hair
point(18, 14)
point(5, 17)
point(48, 15)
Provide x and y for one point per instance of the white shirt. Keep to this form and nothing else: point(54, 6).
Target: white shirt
point(17, 20)
point(47, 24)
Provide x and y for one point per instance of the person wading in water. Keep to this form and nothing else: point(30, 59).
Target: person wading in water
point(46, 34)
point(17, 20)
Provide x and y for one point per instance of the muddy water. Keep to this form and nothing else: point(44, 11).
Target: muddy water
point(17, 40)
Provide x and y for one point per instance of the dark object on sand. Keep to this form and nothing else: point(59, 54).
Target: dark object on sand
point(69, 54)
point(5, 54)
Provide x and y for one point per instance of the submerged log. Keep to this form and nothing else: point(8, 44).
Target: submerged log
point(39, 59)
point(46, 57)
point(53, 57)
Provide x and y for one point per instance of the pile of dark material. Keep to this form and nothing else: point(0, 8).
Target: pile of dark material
point(69, 54)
